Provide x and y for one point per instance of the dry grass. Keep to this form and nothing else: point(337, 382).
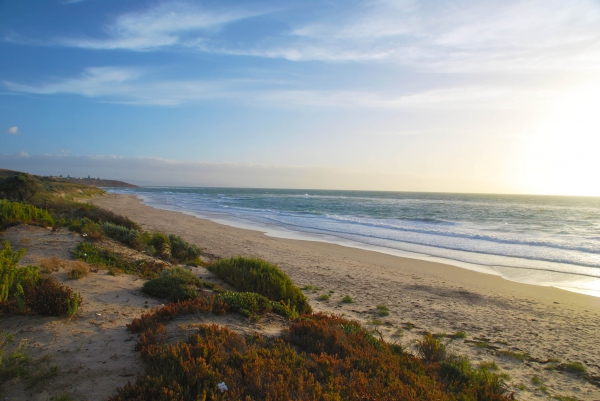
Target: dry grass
point(53, 264)
point(77, 270)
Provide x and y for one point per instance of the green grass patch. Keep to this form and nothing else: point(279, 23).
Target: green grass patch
point(18, 365)
point(383, 310)
point(517, 355)
point(536, 381)
point(573, 367)
point(489, 366)
point(459, 335)
point(323, 297)
point(256, 275)
point(346, 299)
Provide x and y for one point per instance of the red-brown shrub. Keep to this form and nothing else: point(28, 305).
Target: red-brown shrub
point(342, 362)
point(48, 297)
point(170, 311)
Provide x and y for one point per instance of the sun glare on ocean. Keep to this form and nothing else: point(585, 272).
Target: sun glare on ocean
point(561, 154)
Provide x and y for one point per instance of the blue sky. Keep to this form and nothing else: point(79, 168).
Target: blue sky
point(462, 96)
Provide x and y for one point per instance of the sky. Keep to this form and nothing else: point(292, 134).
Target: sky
point(444, 96)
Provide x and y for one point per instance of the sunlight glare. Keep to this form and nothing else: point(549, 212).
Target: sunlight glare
point(562, 153)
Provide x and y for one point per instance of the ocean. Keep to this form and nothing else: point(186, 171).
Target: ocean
point(543, 240)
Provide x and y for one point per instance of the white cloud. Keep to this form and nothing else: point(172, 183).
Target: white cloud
point(13, 130)
point(127, 85)
point(466, 36)
point(168, 24)
point(462, 97)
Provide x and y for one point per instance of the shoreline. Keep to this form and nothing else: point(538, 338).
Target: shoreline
point(422, 296)
point(572, 282)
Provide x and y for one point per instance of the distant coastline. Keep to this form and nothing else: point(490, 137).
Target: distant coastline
point(93, 182)
point(99, 182)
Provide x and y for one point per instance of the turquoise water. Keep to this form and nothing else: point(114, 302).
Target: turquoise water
point(539, 239)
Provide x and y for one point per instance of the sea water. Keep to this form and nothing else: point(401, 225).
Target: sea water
point(544, 240)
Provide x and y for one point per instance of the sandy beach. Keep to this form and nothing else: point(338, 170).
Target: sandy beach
point(496, 314)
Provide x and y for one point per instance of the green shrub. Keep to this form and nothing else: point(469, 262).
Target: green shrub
point(87, 227)
point(324, 297)
point(14, 279)
point(246, 303)
point(20, 213)
point(127, 236)
point(256, 275)
point(431, 349)
point(167, 247)
point(67, 211)
point(176, 284)
point(23, 288)
point(459, 377)
point(162, 244)
point(183, 251)
point(20, 187)
point(96, 256)
point(49, 297)
point(347, 299)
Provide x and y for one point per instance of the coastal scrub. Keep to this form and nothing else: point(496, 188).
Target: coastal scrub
point(256, 275)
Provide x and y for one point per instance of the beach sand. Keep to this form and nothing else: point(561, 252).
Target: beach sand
point(495, 313)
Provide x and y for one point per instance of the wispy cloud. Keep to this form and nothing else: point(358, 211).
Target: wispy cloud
point(13, 130)
point(128, 85)
point(168, 24)
point(462, 97)
point(464, 36)
point(133, 86)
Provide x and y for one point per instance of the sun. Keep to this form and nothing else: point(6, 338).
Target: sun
point(562, 152)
